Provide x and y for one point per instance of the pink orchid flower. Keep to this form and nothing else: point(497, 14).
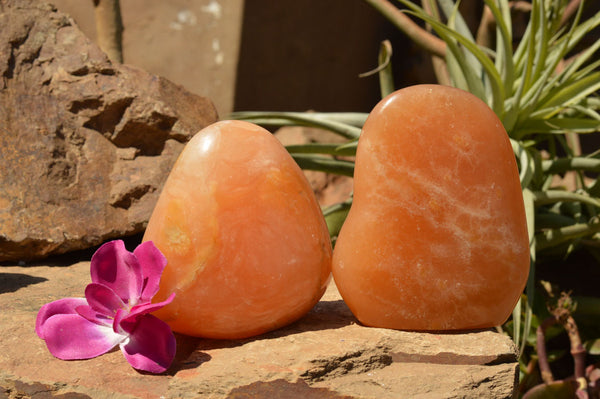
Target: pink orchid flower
point(115, 311)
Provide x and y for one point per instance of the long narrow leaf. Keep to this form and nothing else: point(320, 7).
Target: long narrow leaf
point(553, 196)
point(324, 164)
point(568, 95)
point(504, 60)
point(528, 199)
point(558, 125)
point(541, 39)
point(321, 148)
point(579, 61)
point(546, 85)
point(488, 66)
point(529, 50)
point(555, 237)
point(299, 118)
point(458, 24)
point(386, 77)
point(526, 163)
point(356, 119)
point(563, 165)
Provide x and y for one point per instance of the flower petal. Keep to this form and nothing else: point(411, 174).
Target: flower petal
point(103, 300)
point(90, 314)
point(153, 263)
point(61, 306)
point(72, 337)
point(126, 322)
point(151, 347)
point(118, 269)
point(145, 308)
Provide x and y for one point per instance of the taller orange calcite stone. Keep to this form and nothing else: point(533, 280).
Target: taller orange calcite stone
point(436, 238)
point(247, 246)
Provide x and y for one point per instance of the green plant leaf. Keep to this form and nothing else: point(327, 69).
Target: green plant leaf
point(321, 148)
point(322, 120)
point(335, 215)
point(558, 125)
point(449, 35)
point(593, 346)
point(552, 196)
point(324, 164)
point(504, 60)
point(348, 148)
point(457, 23)
point(554, 237)
point(386, 78)
point(526, 163)
point(562, 165)
point(567, 95)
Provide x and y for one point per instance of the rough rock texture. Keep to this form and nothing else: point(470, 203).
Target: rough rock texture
point(85, 144)
point(326, 354)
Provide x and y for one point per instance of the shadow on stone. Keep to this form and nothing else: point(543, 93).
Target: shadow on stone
point(326, 315)
point(70, 258)
point(11, 282)
point(19, 389)
point(187, 356)
point(280, 389)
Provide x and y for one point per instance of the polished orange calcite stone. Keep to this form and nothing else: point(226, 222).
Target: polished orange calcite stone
point(247, 246)
point(436, 238)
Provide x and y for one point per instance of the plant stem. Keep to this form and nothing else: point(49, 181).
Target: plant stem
point(440, 68)
point(540, 335)
point(488, 23)
point(570, 10)
point(523, 384)
point(418, 35)
point(486, 26)
point(577, 349)
point(109, 28)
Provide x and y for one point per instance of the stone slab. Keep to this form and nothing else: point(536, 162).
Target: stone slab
point(326, 354)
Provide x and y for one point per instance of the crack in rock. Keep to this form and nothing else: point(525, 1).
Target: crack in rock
point(450, 358)
point(357, 362)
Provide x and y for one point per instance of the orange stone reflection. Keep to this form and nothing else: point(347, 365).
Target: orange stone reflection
point(247, 247)
point(436, 238)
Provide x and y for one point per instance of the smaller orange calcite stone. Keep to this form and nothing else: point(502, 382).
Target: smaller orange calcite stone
point(247, 246)
point(436, 238)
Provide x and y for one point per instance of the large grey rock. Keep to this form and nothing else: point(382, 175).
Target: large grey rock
point(326, 354)
point(85, 145)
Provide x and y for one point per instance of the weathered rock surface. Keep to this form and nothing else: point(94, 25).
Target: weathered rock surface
point(85, 144)
point(326, 354)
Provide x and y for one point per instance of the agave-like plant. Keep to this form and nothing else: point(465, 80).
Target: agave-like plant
point(543, 88)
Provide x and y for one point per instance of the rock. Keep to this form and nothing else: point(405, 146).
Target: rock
point(85, 144)
point(326, 354)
